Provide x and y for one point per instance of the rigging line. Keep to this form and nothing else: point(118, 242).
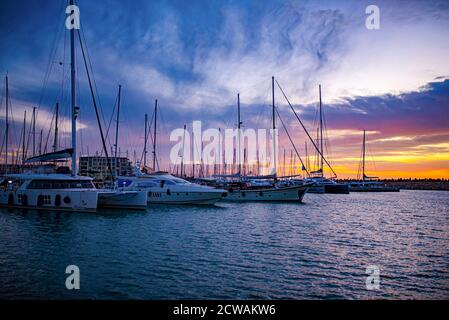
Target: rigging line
point(297, 117)
point(93, 80)
point(50, 61)
point(95, 106)
point(112, 115)
point(3, 143)
point(13, 125)
point(291, 141)
point(150, 134)
point(50, 129)
point(146, 137)
point(81, 137)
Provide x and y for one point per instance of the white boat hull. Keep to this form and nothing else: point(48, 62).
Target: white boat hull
point(173, 197)
point(122, 199)
point(65, 200)
point(295, 193)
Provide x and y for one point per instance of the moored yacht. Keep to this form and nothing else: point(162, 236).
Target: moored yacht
point(49, 192)
point(324, 185)
point(163, 188)
point(274, 193)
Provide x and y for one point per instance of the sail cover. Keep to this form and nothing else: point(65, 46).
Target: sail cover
point(58, 155)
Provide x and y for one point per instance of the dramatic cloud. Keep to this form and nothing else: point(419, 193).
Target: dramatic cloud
point(195, 56)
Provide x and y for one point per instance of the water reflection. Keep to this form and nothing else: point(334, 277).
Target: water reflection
point(234, 250)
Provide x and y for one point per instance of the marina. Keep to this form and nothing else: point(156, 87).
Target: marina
point(250, 163)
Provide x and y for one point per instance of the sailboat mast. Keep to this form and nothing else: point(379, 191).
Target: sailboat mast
point(274, 128)
point(291, 162)
point(7, 125)
point(363, 157)
point(23, 134)
point(34, 131)
point(183, 146)
point(73, 95)
point(40, 142)
point(238, 135)
point(55, 141)
point(307, 156)
point(321, 134)
point(116, 126)
point(145, 142)
point(283, 170)
point(155, 132)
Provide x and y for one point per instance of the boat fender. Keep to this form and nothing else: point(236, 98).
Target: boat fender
point(168, 192)
point(24, 200)
point(11, 199)
point(67, 200)
point(58, 200)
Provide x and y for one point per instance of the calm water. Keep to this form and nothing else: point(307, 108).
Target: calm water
point(319, 249)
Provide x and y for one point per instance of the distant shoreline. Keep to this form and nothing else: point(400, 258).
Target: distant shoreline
point(416, 184)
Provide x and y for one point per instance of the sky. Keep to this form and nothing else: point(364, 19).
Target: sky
point(195, 56)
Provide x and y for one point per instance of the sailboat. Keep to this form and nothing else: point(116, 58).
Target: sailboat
point(243, 188)
point(366, 183)
point(323, 184)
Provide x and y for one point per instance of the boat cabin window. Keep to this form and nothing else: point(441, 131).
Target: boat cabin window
point(61, 184)
point(10, 184)
point(124, 183)
point(179, 181)
point(147, 184)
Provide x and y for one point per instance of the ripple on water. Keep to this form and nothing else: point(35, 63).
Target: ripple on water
point(316, 250)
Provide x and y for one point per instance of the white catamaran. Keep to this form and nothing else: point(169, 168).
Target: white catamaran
point(61, 191)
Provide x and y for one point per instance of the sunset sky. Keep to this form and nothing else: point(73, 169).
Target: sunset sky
point(195, 56)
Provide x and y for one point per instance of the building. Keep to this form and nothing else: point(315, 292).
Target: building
point(97, 166)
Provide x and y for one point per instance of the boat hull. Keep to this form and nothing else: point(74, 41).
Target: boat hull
point(338, 188)
point(286, 194)
point(189, 198)
point(374, 189)
point(61, 200)
point(122, 200)
point(316, 189)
